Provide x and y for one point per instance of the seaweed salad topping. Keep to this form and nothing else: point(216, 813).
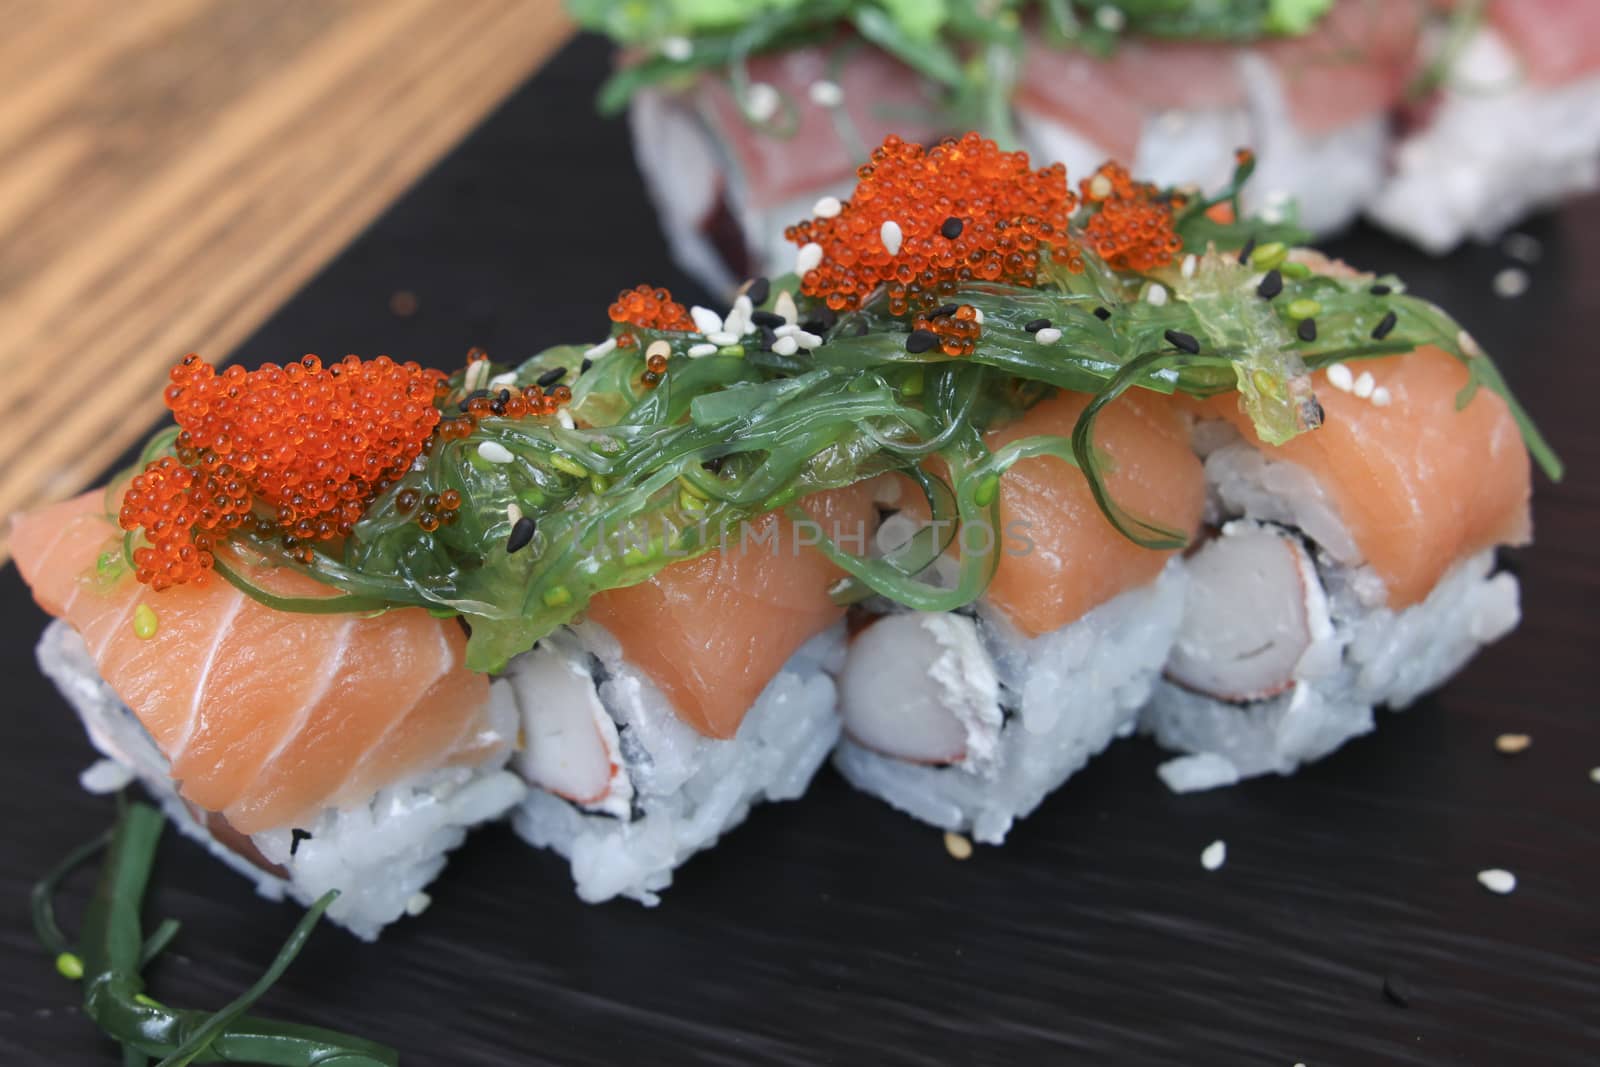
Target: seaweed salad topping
point(956, 288)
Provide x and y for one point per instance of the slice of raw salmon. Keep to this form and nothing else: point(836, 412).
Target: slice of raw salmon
point(1418, 484)
point(712, 631)
point(264, 716)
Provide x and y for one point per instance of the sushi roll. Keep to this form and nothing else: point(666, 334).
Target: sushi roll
point(1511, 125)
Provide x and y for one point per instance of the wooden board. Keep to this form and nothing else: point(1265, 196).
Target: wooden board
point(172, 171)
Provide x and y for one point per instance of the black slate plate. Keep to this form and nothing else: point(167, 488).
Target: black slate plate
point(834, 931)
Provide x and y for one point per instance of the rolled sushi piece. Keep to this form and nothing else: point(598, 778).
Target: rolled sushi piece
point(969, 719)
point(309, 752)
point(1348, 569)
point(654, 725)
point(1510, 125)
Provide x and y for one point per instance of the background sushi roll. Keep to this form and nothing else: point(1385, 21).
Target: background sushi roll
point(653, 726)
point(1353, 567)
point(309, 752)
point(969, 720)
point(1513, 124)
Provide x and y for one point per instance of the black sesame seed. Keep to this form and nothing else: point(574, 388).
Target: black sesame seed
point(921, 340)
point(714, 464)
point(296, 836)
point(521, 534)
point(583, 368)
point(476, 394)
point(1307, 330)
point(758, 291)
point(951, 228)
point(504, 395)
point(1395, 991)
point(1271, 285)
point(769, 336)
point(1385, 327)
point(497, 407)
point(1248, 250)
point(942, 310)
point(1036, 325)
point(1380, 290)
point(551, 377)
point(766, 318)
point(1102, 314)
point(1183, 341)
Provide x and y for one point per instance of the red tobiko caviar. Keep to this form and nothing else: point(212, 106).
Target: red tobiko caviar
point(956, 328)
point(649, 308)
point(923, 221)
point(1133, 228)
point(313, 444)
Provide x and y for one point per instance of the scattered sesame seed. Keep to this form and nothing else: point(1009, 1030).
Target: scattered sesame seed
point(1049, 335)
point(945, 309)
point(677, 49)
point(494, 452)
point(788, 329)
point(1381, 397)
point(1468, 344)
point(743, 306)
point(950, 229)
point(758, 290)
point(921, 340)
point(1271, 285)
point(825, 93)
point(564, 417)
point(1381, 290)
point(808, 258)
point(1214, 856)
point(705, 320)
point(1496, 880)
point(807, 339)
point(1511, 744)
point(1102, 314)
point(1341, 378)
point(1522, 247)
point(550, 377)
point(1307, 330)
point(1594, 775)
point(1385, 326)
point(761, 102)
point(701, 351)
point(1157, 294)
point(601, 349)
point(977, 316)
point(513, 513)
point(1186, 342)
point(417, 903)
point(770, 319)
point(722, 337)
point(297, 835)
point(1364, 385)
point(786, 346)
point(1511, 283)
point(889, 233)
point(1189, 263)
point(658, 347)
point(1036, 325)
point(826, 208)
point(521, 533)
point(957, 845)
point(1248, 250)
point(502, 381)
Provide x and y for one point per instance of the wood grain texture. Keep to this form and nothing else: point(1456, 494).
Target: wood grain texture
point(172, 171)
point(833, 930)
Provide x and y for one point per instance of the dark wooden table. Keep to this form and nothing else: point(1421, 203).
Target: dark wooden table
point(835, 931)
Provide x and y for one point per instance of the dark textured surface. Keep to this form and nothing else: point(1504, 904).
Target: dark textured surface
point(834, 931)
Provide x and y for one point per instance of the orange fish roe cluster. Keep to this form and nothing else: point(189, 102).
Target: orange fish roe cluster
point(957, 330)
point(1133, 228)
point(649, 308)
point(183, 512)
point(313, 444)
point(923, 221)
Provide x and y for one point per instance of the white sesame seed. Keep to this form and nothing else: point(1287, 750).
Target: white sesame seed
point(1364, 385)
point(807, 340)
point(1381, 397)
point(702, 350)
point(1214, 856)
point(1496, 880)
point(705, 320)
point(476, 374)
point(957, 845)
point(825, 93)
point(1099, 187)
point(603, 348)
point(658, 347)
point(513, 514)
point(417, 903)
point(1511, 283)
point(677, 49)
point(889, 233)
point(761, 102)
point(1511, 744)
point(1157, 294)
point(1340, 378)
point(502, 381)
point(784, 305)
point(1108, 18)
point(788, 329)
point(738, 320)
point(1522, 247)
point(494, 452)
point(1594, 775)
point(1048, 336)
point(826, 208)
point(564, 417)
point(977, 316)
point(808, 258)
point(786, 346)
point(722, 337)
point(1189, 263)
point(735, 323)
